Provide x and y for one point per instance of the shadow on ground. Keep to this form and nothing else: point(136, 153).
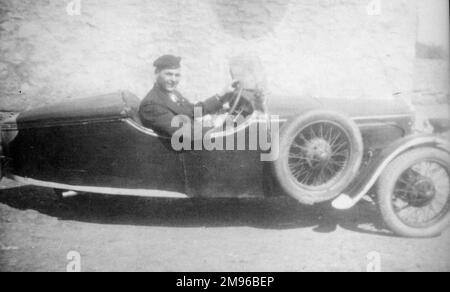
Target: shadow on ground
point(274, 213)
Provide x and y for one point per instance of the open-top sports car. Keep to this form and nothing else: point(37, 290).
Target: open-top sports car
point(330, 150)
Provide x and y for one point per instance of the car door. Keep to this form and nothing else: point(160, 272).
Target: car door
point(226, 173)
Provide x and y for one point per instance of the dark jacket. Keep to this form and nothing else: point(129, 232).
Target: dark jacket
point(157, 109)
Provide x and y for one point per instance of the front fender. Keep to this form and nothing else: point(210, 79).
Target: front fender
point(366, 180)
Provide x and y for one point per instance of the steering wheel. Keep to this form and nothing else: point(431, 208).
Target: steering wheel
point(237, 99)
point(224, 114)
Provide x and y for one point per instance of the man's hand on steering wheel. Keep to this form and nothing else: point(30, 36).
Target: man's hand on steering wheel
point(229, 93)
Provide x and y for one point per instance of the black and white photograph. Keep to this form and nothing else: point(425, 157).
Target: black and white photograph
point(224, 136)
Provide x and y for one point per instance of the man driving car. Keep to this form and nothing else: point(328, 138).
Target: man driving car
point(164, 102)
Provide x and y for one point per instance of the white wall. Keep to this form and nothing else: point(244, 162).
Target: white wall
point(333, 48)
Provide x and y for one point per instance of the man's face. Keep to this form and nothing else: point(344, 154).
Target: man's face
point(168, 79)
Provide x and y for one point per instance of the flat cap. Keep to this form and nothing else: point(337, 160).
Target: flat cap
point(167, 62)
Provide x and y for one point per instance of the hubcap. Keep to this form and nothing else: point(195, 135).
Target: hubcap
point(422, 192)
point(318, 149)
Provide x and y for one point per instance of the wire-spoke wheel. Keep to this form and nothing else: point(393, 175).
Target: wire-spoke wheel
point(414, 193)
point(320, 153)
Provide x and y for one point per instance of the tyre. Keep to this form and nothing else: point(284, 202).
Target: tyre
point(413, 193)
point(320, 154)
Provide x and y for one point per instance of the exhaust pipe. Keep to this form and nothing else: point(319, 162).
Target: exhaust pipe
point(69, 194)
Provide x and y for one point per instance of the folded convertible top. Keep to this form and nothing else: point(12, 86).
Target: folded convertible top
point(122, 104)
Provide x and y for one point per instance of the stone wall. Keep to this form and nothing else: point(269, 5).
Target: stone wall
point(333, 48)
point(431, 74)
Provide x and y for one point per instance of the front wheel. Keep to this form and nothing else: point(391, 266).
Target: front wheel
point(413, 193)
point(320, 154)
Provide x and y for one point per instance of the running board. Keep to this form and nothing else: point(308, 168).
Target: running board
point(343, 202)
point(73, 190)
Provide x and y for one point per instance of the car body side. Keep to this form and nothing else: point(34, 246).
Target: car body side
point(100, 143)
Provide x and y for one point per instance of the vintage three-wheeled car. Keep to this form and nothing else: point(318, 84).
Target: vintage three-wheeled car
point(330, 150)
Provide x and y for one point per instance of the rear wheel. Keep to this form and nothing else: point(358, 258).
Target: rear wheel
point(320, 153)
point(413, 193)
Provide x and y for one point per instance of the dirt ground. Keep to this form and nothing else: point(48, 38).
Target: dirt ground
point(142, 234)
